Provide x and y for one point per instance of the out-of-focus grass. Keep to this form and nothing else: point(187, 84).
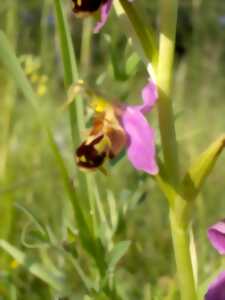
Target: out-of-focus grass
point(32, 178)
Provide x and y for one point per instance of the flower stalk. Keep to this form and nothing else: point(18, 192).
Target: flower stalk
point(180, 209)
point(168, 21)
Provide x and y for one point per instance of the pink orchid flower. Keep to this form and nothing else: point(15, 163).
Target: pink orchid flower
point(117, 127)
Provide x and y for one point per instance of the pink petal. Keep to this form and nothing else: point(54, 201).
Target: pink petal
point(216, 289)
point(104, 13)
point(149, 96)
point(216, 235)
point(141, 137)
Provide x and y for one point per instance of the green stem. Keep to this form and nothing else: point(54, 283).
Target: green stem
point(77, 123)
point(85, 54)
point(180, 209)
point(70, 72)
point(181, 243)
point(168, 21)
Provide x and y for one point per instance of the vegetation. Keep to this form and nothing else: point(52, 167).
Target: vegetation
point(107, 237)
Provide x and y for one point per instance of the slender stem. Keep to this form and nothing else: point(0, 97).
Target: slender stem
point(77, 122)
point(168, 21)
point(85, 54)
point(179, 210)
point(181, 242)
point(70, 72)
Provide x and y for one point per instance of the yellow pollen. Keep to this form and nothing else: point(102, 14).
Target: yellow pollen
point(14, 264)
point(98, 104)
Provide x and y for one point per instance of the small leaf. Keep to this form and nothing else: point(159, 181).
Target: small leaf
point(201, 168)
point(117, 253)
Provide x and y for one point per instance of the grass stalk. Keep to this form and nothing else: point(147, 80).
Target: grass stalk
point(77, 123)
point(85, 54)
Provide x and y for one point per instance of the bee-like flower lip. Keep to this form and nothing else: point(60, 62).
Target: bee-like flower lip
point(88, 157)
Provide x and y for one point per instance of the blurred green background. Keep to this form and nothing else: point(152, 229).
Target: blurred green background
point(29, 176)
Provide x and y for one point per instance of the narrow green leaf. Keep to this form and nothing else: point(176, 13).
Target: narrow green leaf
point(117, 253)
point(69, 62)
point(35, 268)
point(77, 122)
point(201, 168)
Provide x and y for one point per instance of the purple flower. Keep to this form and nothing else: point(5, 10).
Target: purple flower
point(216, 235)
point(116, 127)
point(86, 7)
point(216, 289)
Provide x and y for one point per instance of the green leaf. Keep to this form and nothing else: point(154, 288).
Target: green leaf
point(201, 168)
point(117, 253)
point(35, 268)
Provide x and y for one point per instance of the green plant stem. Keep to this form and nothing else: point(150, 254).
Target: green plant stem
point(77, 123)
point(70, 72)
point(85, 53)
point(180, 209)
point(168, 21)
point(181, 244)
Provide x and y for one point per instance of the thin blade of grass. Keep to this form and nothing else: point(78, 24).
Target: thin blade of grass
point(77, 122)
